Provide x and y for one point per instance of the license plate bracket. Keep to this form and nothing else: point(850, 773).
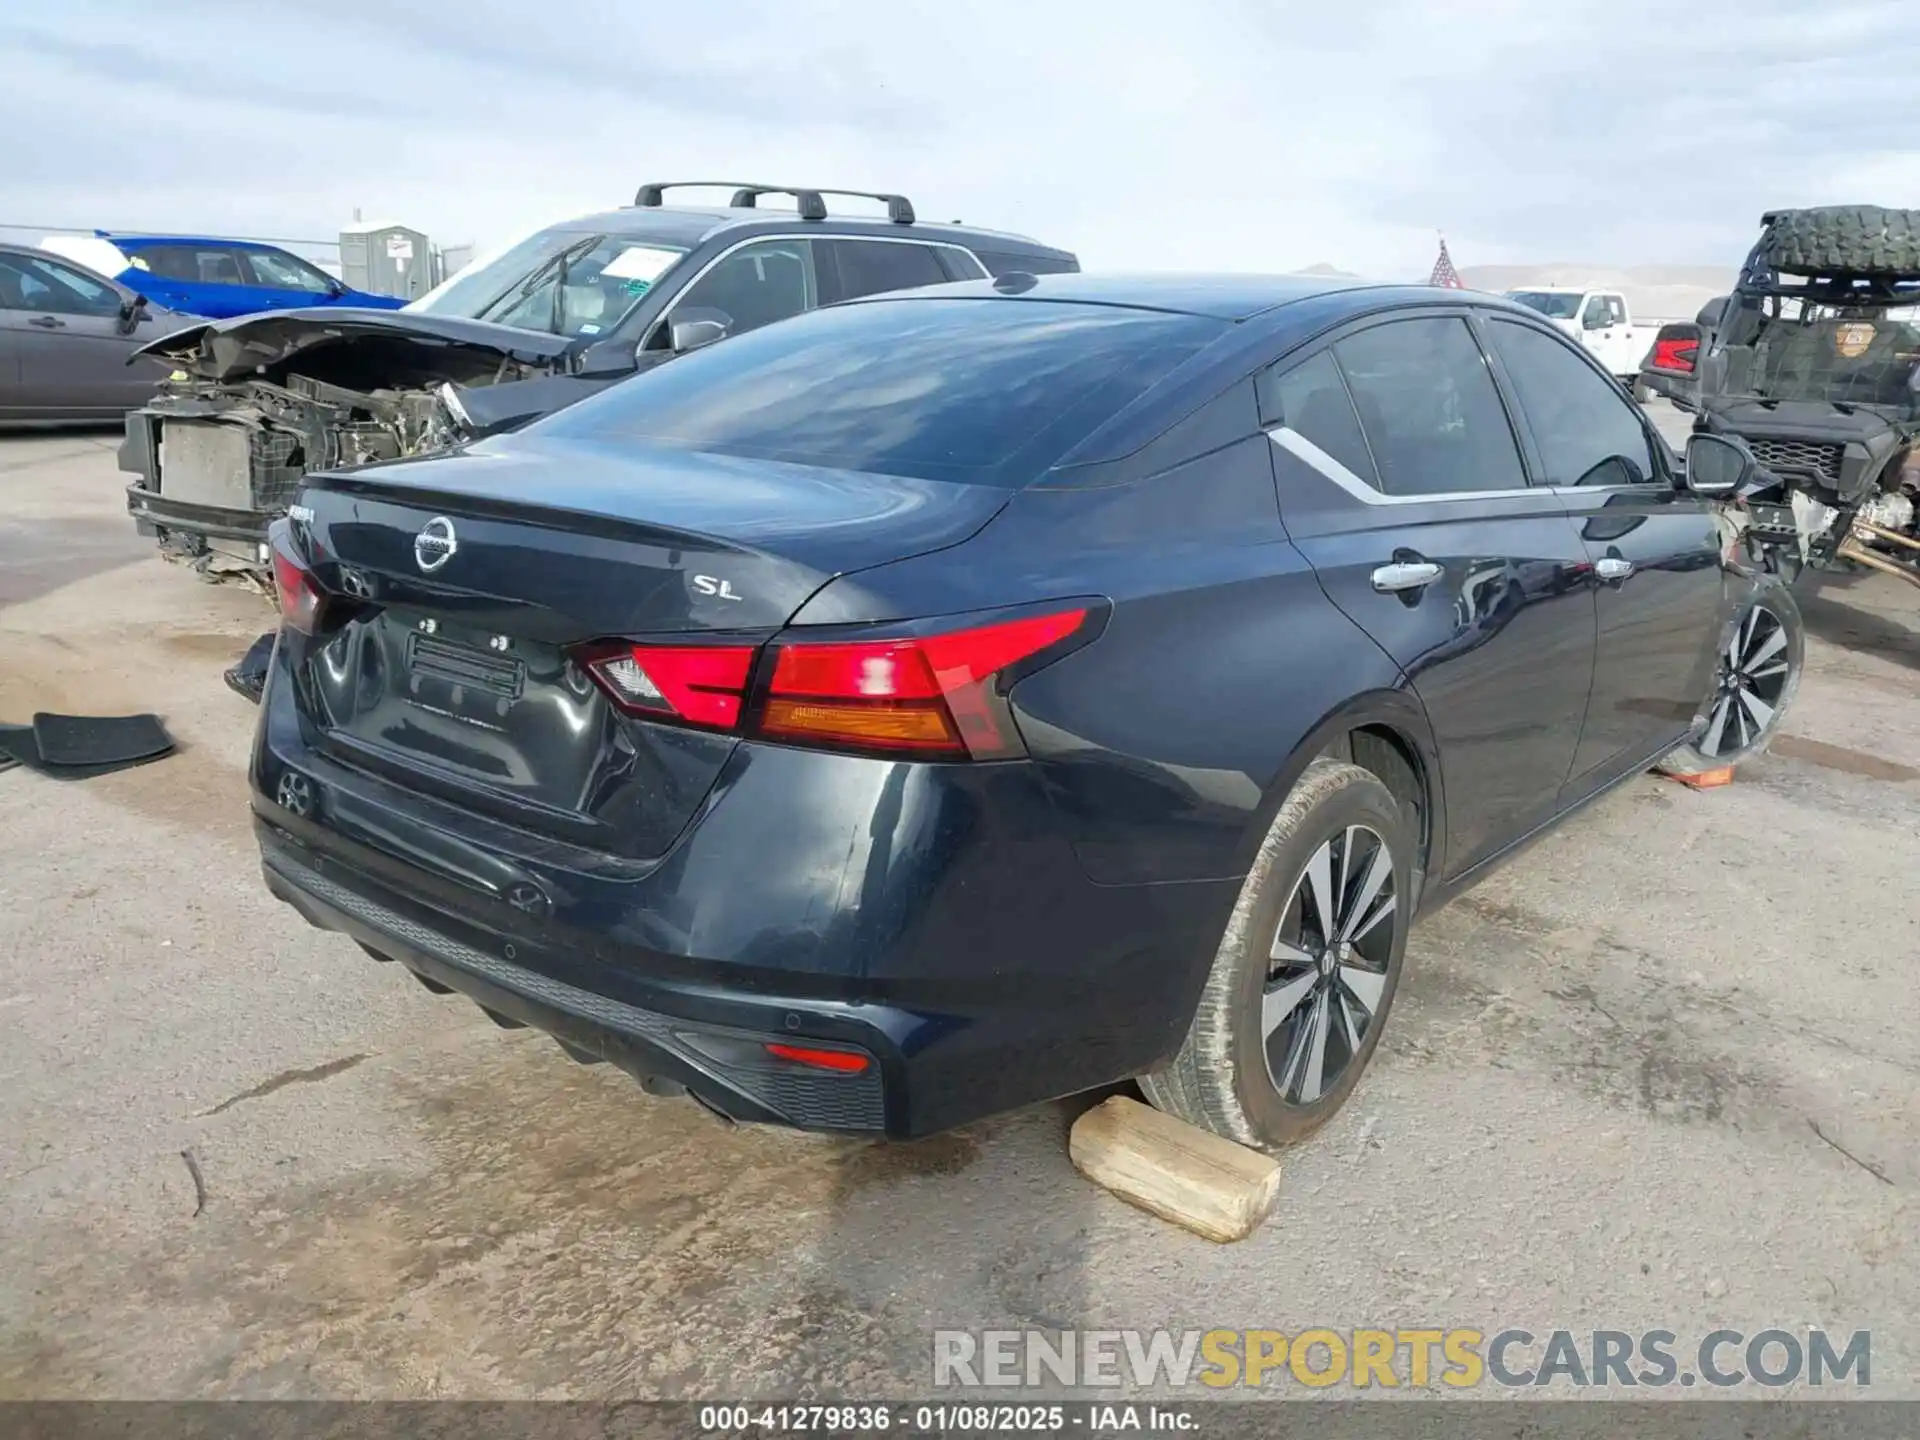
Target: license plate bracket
point(433, 657)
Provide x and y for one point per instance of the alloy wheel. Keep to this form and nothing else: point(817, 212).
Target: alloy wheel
point(1754, 671)
point(1329, 961)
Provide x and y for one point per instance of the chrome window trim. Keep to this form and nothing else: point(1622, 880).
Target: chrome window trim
point(665, 316)
point(1310, 454)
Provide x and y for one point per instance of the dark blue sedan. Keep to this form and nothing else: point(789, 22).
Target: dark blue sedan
point(942, 702)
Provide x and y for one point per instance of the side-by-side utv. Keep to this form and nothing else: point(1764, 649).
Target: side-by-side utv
point(1815, 364)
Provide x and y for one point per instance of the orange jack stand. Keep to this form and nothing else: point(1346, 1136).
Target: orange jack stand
point(1705, 780)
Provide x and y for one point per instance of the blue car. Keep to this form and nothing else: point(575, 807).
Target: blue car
point(220, 279)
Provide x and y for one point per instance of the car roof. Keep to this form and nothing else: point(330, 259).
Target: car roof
point(690, 226)
point(123, 240)
point(1218, 297)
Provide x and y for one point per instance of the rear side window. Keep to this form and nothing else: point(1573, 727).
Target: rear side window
point(869, 267)
point(991, 392)
point(1433, 420)
point(1311, 400)
point(1587, 432)
point(197, 264)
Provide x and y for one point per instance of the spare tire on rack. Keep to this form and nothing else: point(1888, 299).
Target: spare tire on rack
point(1859, 238)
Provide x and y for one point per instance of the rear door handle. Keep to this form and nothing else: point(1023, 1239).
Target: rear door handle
point(1405, 575)
point(1613, 567)
point(47, 322)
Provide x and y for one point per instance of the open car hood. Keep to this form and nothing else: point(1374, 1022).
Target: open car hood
point(233, 349)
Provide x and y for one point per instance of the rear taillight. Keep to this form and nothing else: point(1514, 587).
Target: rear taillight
point(1675, 354)
point(302, 601)
point(700, 684)
point(931, 693)
point(939, 695)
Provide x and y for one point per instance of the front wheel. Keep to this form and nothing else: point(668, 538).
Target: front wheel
point(1300, 988)
point(1754, 683)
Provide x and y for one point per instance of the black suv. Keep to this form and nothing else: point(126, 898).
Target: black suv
point(259, 401)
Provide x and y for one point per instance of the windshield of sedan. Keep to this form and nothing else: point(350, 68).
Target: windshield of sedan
point(1554, 304)
point(988, 392)
point(562, 282)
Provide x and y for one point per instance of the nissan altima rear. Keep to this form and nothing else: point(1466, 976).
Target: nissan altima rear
point(597, 726)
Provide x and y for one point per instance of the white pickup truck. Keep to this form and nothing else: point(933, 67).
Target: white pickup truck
point(1599, 320)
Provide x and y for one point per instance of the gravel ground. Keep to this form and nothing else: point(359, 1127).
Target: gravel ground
point(1661, 1071)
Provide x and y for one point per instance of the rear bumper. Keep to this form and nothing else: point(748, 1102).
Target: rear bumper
point(929, 916)
point(723, 1063)
point(1674, 386)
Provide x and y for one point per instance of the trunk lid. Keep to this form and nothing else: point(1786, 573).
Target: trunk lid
point(477, 576)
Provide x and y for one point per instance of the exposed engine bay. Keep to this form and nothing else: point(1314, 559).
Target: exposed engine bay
point(257, 403)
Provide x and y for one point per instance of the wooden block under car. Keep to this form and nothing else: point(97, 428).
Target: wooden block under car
point(1705, 780)
point(1211, 1186)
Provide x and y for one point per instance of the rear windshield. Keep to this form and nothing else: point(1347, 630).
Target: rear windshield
point(991, 392)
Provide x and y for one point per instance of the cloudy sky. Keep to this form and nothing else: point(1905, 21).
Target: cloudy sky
point(1145, 134)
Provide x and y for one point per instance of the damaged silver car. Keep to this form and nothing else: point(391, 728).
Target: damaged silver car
point(254, 403)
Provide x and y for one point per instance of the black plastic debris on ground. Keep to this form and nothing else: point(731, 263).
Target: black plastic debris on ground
point(73, 747)
point(249, 676)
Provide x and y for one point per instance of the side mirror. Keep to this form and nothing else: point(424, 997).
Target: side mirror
point(694, 328)
point(606, 357)
point(1597, 322)
point(1717, 464)
point(133, 310)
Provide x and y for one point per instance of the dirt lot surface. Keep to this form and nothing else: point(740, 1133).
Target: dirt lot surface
point(1661, 1071)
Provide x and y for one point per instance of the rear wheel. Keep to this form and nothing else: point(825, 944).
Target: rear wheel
point(1305, 976)
point(1759, 672)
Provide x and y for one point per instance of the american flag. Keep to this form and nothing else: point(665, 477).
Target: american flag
point(1443, 272)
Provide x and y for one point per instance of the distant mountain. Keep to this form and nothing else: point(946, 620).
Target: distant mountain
point(1328, 272)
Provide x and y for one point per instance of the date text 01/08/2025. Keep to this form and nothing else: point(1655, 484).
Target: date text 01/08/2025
point(963, 1418)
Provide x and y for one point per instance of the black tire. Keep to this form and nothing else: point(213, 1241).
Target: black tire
point(1223, 1078)
point(1861, 238)
point(1733, 729)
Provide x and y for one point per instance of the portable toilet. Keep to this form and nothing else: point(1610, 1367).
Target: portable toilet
point(386, 259)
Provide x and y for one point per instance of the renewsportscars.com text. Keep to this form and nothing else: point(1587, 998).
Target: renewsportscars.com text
point(1413, 1358)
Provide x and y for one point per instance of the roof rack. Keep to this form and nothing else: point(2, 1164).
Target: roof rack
point(808, 198)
